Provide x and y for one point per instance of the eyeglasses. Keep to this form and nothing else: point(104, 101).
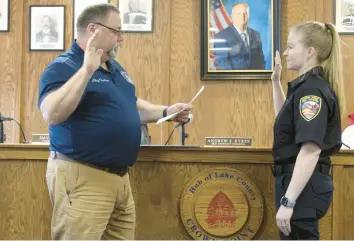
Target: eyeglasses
point(117, 32)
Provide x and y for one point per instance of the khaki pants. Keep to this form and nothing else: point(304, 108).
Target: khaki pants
point(89, 203)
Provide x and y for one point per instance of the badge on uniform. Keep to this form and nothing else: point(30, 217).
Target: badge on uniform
point(310, 106)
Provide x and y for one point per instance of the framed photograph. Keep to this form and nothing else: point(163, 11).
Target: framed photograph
point(137, 15)
point(4, 15)
point(78, 7)
point(344, 16)
point(46, 27)
point(239, 40)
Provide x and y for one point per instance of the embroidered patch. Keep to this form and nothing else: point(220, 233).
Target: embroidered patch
point(126, 77)
point(310, 106)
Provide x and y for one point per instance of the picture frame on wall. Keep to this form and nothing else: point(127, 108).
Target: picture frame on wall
point(137, 15)
point(344, 16)
point(4, 15)
point(239, 40)
point(46, 27)
point(78, 7)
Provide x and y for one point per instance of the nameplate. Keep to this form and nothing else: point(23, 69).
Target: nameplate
point(227, 142)
point(40, 138)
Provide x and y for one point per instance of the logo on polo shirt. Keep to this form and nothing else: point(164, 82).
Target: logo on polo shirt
point(99, 80)
point(126, 76)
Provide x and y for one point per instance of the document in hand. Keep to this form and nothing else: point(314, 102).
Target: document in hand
point(176, 113)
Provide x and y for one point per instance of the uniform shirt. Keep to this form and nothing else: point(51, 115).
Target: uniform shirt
point(310, 113)
point(105, 127)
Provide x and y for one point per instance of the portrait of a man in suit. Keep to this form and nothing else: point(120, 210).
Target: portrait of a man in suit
point(135, 15)
point(238, 46)
point(47, 34)
point(348, 19)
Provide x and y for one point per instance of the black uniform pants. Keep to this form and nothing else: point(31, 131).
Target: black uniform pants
point(311, 205)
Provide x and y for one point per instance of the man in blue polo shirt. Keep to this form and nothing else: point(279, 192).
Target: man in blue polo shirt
point(94, 118)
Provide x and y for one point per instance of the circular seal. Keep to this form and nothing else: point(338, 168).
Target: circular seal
point(221, 203)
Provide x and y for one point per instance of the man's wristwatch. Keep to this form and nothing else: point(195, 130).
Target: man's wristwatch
point(285, 202)
point(164, 113)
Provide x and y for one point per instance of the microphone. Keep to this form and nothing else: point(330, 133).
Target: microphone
point(183, 134)
point(190, 119)
point(3, 118)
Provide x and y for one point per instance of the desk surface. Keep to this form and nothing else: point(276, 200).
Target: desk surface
point(174, 154)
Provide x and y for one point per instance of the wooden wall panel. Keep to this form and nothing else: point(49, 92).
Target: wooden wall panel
point(343, 177)
point(24, 202)
point(151, 81)
point(146, 57)
point(34, 65)
point(225, 108)
point(348, 63)
point(169, 181)
point(157, 189)
point(235, 108)
point(318, 10)
point(165, 66)
point(10, 73)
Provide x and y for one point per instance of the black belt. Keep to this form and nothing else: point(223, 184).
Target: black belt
point(289, 168)
point(121, 171)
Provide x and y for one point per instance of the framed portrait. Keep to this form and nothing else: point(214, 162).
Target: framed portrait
point(46, 27)
point(78, 7)
point(239, 40)
point(344, 16)
point(4, 15)
point(137, 15)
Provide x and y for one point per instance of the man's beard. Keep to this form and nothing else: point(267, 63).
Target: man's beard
point(114, 51)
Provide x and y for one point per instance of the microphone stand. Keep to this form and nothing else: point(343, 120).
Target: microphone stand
point(2, 135)
point(2, 129)
point(183, 135)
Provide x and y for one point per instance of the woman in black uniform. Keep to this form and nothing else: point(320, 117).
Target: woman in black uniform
point(307, 129)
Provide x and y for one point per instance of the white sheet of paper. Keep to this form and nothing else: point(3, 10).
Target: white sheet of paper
point(174, 114)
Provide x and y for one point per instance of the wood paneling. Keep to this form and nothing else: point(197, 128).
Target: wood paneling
point(158, 180)
point(165, 66)
point(169, 181)
point(150, 50)
point(343, 177)
point(225, 108)
point(25, 201)
point(322, 11)
point(11, 75)
point(235, 108)
point(34, 63)
point(146, 56)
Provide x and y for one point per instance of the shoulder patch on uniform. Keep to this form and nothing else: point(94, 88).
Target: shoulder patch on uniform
point(310, 106)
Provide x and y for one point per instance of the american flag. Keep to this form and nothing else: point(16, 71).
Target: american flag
point(219, 20)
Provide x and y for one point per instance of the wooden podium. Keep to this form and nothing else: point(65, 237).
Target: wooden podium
point(180, 193)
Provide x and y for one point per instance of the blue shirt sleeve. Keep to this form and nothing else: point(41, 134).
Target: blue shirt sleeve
point(53, 77)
